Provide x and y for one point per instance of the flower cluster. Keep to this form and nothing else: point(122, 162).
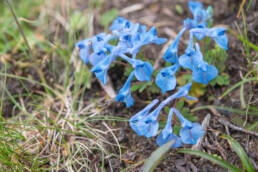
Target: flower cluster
point(192, 59)
point(131, 37)
point(145, 123)
point(99, 52)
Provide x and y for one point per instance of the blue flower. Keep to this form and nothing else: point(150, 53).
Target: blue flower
point(120, 23)
point(166, 80)
point(194, 6)
point(151, 37)
point(101, 68)
point(171, 53)
point(183, 91)
point(190, 132)
point(98, 44)
point(190, 23)
point(95, 58)
point(124, 94)
point(101, 42)
point(205, 73)
point(147, 123)
point(167, 135)
point(85, 46)
point(151, 126)
point(143, 70)
point(191, 59)
point(138, 122)
point(219, 36)
point(84, 51)
point(148, 126)
point(143, 38)
point(200, 15)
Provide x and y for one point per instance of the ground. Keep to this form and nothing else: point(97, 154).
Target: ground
point(63, 120)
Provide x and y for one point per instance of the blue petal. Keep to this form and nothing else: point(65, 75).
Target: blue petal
point(151, 37)
point(140, 127)
point(145, 128)
point(152, 125)
point(219, 36)
point(200, 15)
point(101, 69)
point(222, 41)
point(124, 94)
point(140, 115)
point(190, 97)
point(204, 76)
point(190, 135)
point(171, 53)
point(191, 59)
point(84, 54)
point(119, 23)
point(161, 140)
point(190, 23)
point(184, 122)
point(152, 129)
point(137, 122)
point(166, 80)
point(167, 133)
point(183, 91)
point(194, 5)
point(143, 71)
point(95, 58)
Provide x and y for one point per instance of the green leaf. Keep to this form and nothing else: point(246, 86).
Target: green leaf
point(212, 158)
point(240, 112)
point(253, 127)
point(240, 152)
point(156, 156)
point(141, 86)
point(217, 56)
point(180, 104)
point(108, 17)
point(166, 109)
point(221, 79)
point(237, 85)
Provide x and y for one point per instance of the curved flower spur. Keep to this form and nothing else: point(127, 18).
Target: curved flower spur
point(100, 53)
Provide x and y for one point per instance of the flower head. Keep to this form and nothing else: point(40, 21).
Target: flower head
point(191, 59)
point(137, 122)
point(167, 135)
point(143, 70)
point(98, 45)
point(200, 15)
point(101, 68)
point(166, 80)
point(205, 73)
point(190, 132)
point(219, 36)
